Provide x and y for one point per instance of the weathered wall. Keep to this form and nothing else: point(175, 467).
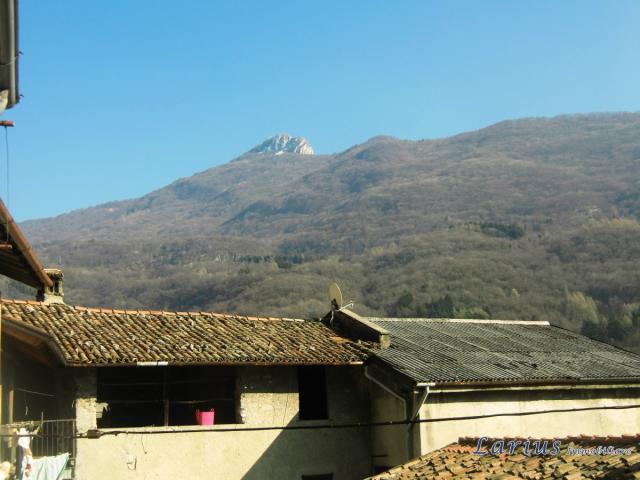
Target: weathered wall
point(594, 422)
point(268, 396)
point(85, 399)
point(389, 444)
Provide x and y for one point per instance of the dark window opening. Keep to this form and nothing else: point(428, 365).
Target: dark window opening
point(197, 388)
point(31, 394)
point(157, 396)
point(312, 393)
point(321, 476)
point(380, 469)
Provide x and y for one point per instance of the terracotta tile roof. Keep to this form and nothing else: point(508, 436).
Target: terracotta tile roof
point(458, 461)
point(96, 336)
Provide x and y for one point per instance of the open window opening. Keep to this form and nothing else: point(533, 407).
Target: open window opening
point(163, 396)
point(312, 393)
point(31, 387)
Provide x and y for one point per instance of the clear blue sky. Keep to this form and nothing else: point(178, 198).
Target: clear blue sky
point(122, 97)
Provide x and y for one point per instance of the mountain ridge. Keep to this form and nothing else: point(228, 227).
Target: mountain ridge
point(533, 218)
point(468, 137)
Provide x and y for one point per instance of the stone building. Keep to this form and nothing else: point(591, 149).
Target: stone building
point(133, 380)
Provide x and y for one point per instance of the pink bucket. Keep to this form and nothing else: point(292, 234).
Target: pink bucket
point(205, 418)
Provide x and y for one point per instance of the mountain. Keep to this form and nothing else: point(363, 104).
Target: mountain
point(283, 143)
point(532, 218)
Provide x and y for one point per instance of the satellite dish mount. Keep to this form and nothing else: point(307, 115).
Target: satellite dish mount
point(335, 296)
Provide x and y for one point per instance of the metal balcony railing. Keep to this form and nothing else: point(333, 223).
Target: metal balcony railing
point(53, 438)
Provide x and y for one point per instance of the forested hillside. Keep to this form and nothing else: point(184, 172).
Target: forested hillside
point(534, 218)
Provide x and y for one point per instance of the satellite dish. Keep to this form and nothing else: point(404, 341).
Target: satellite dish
point(335, 296)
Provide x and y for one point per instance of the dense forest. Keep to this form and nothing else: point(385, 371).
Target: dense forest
point(528, 219)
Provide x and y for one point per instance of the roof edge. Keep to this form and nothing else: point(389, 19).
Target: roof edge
point(195, 313)
point(461, 320)
point(25, 249)
point(541, 382)
point(40, 334)
point(167, 363)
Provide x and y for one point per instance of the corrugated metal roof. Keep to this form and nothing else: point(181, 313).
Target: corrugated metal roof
point(441, 351)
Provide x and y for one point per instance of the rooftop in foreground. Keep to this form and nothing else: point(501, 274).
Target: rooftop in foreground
point(458, 461)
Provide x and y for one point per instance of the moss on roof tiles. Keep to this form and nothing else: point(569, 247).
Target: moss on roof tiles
point(88, 336)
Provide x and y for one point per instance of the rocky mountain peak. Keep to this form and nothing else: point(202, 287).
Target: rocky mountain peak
point(282, 143)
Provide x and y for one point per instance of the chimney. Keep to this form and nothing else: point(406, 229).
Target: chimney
point(54, 293)
point(358, 328)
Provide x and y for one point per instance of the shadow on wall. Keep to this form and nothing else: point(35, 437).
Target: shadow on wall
point(315, 454)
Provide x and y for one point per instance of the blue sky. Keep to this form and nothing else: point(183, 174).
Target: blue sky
point(122, 97)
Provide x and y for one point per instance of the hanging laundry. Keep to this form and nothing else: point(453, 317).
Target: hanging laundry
point(49, 468)
point(5, 470)
point(24, 458)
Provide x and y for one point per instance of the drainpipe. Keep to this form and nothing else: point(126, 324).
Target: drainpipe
point(1, 385)
point(399, 397)
point(415, 414)
point(14, 95)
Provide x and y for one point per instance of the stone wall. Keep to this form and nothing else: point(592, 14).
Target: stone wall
point(85, 402)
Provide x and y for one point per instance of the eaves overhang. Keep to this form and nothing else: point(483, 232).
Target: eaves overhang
point(17, 258)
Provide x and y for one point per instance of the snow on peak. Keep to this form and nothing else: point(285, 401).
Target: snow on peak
point(282, 143)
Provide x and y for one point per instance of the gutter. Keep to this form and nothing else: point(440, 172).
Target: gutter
point(422, 400)
point(601, 385)
point(152, 364)
point(529, 384)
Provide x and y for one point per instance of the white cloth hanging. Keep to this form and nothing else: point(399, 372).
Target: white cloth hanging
point(48, 468)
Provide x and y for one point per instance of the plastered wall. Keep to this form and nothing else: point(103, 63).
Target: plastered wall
point(594, 422)
point(268, 397)
point(389, 444)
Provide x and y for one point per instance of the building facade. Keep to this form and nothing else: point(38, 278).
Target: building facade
point(451, 378)
point(131, 382)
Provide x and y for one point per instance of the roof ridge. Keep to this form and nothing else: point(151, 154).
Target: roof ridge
point(191, 313)
point(18, 301)
point(460, 320)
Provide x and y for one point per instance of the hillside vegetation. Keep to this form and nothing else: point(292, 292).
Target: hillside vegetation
point(531, 219)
